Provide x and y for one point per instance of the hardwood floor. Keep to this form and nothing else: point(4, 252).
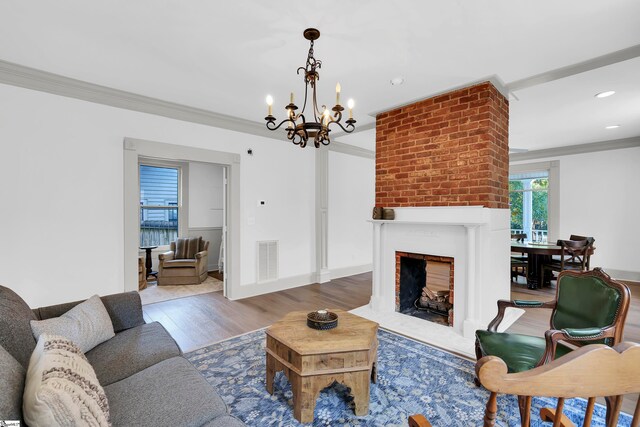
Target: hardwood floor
point(200, 320)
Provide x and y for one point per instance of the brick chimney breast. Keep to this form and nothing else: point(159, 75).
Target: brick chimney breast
point(449, 150)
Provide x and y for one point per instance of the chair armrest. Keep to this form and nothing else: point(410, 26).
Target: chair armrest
point(503, 304)
point(201, 254)
point(552, 336)
point(167, 256)
point(125, 310)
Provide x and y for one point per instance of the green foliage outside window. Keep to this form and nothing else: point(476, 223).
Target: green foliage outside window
point(539, 203)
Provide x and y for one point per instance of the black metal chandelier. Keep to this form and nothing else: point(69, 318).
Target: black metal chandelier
point(299, 130)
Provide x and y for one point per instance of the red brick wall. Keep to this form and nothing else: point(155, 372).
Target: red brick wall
point(450, 150)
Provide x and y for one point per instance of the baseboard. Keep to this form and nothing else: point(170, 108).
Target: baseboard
point(633, 276)
point(336, 273)
point(254, 289)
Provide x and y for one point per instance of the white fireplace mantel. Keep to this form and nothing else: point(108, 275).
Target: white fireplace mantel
point(476, 237)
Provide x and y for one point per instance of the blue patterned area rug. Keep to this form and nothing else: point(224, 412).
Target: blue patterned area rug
point(413, 378)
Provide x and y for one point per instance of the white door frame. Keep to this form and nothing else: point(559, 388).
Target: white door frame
point(135, 148)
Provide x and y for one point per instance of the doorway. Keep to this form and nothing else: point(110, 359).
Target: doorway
point(208, 204)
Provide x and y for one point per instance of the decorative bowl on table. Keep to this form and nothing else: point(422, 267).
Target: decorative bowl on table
point(322, 320)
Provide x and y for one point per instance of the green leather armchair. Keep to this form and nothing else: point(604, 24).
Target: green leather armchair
point(590, 308)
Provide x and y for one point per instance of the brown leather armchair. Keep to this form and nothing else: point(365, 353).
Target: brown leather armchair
point(185, 264)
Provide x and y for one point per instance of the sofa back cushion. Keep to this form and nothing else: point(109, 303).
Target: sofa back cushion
point(15, 330)
point(187, 248)
point(12, 381)
point(87, 324)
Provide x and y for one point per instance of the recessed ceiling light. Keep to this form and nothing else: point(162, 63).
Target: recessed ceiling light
point(397, 81)
point(612, 127)
point(605, 94)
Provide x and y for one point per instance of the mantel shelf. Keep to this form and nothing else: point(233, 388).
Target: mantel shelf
point(468, 223)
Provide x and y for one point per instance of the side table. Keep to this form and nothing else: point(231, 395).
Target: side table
point(148, 263)
point(313, 359)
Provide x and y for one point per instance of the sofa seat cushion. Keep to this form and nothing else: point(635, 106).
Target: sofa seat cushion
point(520, 352)
point(131, 351)
point(179, 263)
point(170, 393)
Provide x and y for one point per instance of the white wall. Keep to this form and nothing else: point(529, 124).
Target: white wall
point(351, 200)
point(205, 195)
point(61, 174)
point(599, 198)
point(206, 192)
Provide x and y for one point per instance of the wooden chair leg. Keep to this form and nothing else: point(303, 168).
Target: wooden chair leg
point(418, 421)
point(491, 410)
point(588, 415)
point(614, 403)
point(524, 404)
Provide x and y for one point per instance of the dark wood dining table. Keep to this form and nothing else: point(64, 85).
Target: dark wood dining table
point(537, 255)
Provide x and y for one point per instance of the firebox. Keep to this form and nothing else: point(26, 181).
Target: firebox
point(424, 287)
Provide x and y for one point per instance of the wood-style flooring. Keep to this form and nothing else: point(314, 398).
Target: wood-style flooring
point(200, 320)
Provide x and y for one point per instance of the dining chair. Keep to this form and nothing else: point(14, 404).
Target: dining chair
point(574, 255)
point(519, 262)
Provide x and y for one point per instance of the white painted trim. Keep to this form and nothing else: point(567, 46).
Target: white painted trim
point(254, 289)
point(337, 273)
point(553, 193)
point(494, 80)
point(633, 276)
point(569, 150)
point(133, 148)
point(31, 78)
point(352, 150)
point(571, 70)
point(322, 217)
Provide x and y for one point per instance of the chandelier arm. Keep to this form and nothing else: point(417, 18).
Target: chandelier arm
point(272, 126)
point(350, 127)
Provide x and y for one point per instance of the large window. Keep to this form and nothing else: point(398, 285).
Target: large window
point(159, 205)
point(529, 202)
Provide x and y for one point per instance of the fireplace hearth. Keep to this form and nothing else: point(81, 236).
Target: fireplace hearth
point(424, 287)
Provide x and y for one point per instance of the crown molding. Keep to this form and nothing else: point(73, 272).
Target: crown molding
point(31, 78)
point(43, 81)
point(580, 67)
point(615, 144)
point(340, 147)
point(495, 80)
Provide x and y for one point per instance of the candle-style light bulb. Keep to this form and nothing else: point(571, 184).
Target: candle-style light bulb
point(350, 104)
point(270, 104)
point(325, 117)
point(338, 88)
point(291, 98)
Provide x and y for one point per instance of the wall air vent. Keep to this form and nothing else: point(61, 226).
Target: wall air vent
point(267, 261)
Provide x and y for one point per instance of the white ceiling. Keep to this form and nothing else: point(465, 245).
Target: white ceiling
point(227, 56)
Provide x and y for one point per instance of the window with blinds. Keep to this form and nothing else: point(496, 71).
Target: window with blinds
point(159, 205)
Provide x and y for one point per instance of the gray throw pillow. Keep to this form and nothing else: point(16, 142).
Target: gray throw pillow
point(87, 324)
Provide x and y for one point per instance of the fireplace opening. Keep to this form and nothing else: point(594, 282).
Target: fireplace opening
point(424, 287)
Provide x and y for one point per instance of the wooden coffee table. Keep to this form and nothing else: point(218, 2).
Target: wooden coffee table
point(313, 360)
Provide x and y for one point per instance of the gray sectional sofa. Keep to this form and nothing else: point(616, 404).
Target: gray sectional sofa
point(147, 380)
